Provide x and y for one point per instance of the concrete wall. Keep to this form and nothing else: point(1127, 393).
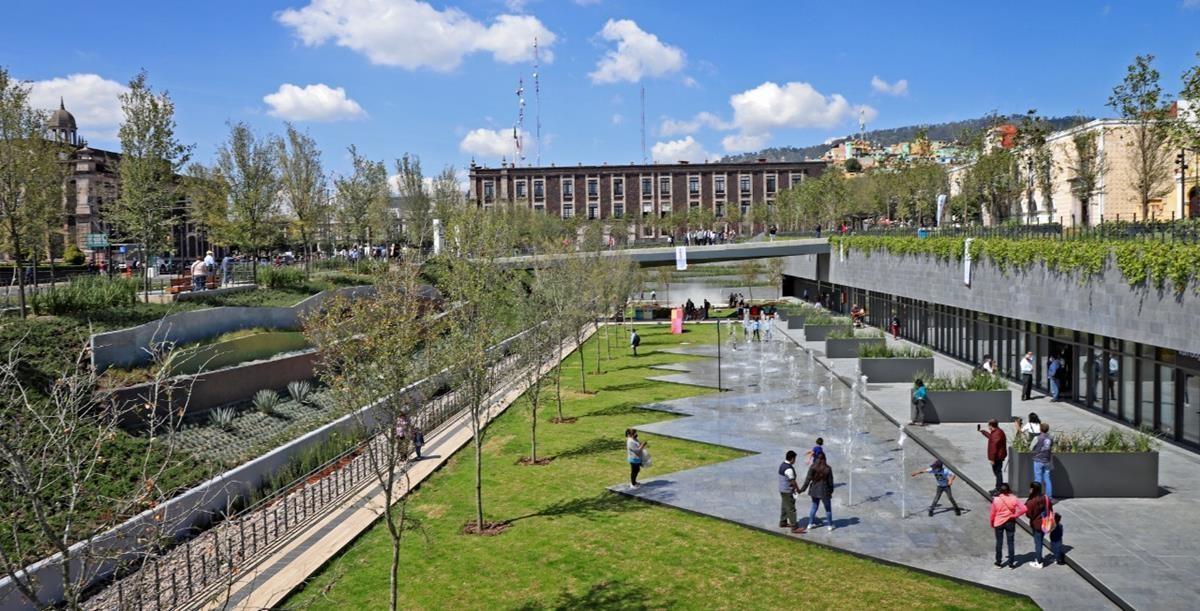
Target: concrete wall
point(1105, 305)
point(131, 347)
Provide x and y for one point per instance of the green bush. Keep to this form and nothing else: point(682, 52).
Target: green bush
point(884, 351)
point(1113, 440)
point(979, 381)
point(280, 277)
point(73, 256)
point(824, 318)
point(852, 333)
point(86, 294)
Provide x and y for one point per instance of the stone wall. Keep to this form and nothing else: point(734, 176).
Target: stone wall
point(1105, 305)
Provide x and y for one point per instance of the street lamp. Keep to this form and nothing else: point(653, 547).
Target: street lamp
point(1181, 161)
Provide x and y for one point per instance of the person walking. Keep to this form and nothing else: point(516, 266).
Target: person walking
point(227, 269)
point(1043, 458)
point(1030, 429)
point(199, 273)
point(1006, 507)
point(755, 326)
point(418, 440)
point(1052, 374)
point(634, 451)
point(945, 478)
point(766, 326)
point(788, 490)
point(988, 364)
point(997, 449)
point(1026, 375)
point(1037, 508)
point(635, 340)
point(819, 484)
point(919, 395)
point(895, 327)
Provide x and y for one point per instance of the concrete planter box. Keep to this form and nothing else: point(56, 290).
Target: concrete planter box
point(795, 321)
point(818, 333)
point(847, 348)
point(881, 370)
point(1091, 474)
point(966, 406)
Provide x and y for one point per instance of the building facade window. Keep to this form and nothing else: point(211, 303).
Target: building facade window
point(568, 188)
point(539, 190)
point(664, 186)
point(519, 189)
point(568, 211)
point(720, 212)
point(647, 187)
point(618, 210)
point(618, 184)
point(745, 207)
point(693, 186)
point(489, 191)
point(719, 186)
point(593, 188)
point(744, 184)
point(796, 178)
point(771, 184)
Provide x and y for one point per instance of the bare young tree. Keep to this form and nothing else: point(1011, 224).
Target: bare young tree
point(151, 158)
point(369, 351)
point(57, 486)
point(303, 184)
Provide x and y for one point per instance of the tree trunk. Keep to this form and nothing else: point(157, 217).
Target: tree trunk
point(394, 574)
point(478, 469)
point(19, 271)
point(598, 353)
point(582, 365)
point(557, 379)
point(533, 427)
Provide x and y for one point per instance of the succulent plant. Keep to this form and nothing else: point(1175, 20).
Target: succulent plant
point(300, 391)
point(222, 418)
point(266, 400)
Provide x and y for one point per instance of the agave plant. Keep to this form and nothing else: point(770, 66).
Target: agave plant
point(266, 400)
point(222, 418)
point(299, 391)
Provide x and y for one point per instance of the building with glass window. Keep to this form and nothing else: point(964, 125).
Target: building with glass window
point(1131, 354)
point(638, 192)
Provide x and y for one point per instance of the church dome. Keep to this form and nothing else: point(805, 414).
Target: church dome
point(61, 119)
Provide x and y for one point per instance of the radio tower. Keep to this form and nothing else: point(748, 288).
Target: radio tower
point(520, 126)
point(643, 124)
point(537, 102)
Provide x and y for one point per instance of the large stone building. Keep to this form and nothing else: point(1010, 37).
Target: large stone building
point(93, 183)
point(638, 192)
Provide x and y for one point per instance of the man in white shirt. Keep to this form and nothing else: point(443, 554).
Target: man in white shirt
point(788, 489)
point(1026, 375)
point(199, 274)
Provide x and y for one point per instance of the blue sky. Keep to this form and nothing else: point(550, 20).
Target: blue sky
point(438, 79)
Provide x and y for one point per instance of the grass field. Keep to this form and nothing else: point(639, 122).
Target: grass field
point(573, 545)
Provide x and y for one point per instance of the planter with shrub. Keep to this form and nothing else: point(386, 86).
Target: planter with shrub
point(977, 397)
point(818, 326)
point(845, 343)
point(1092, 464)
point(882, 363)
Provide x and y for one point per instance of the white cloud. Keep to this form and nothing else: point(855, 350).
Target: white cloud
point(587, 2)
point(617, 119)
point(1191, 3)
point(686, 149)
point(412, 34)
point(690, 82)
point(318, 102)
point(745, 142)
point(516, 6)
point(898, 88)
point(673, 127)
point(93, 100)
point(638, 54)
point(493, 143)
point(793, 105)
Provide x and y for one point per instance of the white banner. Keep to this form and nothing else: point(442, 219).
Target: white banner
point(967, 261)
point(681, 258)
point(941, 207)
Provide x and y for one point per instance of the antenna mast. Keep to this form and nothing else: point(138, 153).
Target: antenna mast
point(518, 136)
point(537, 100)
point(643, 124)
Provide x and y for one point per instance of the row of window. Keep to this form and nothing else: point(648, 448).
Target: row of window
point(1138, 384)
point(647, 186)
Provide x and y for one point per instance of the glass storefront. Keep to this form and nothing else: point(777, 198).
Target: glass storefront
point(1137, 384)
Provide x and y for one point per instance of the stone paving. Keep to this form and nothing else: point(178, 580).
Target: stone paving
point(782, 399)
point(1143, 550)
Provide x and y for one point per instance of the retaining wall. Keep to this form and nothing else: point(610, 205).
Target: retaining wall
point(1105, 304)
point(132, 347)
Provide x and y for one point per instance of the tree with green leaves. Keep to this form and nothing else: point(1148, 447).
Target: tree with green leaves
point(248, 166)
point(151, 158)
point(993, 185)
point(29, 175)
point(415, 203)
point(302, 181)
point(1139, 100)
point(1185, 128)
point(362, 197)
point(1038, 161)
point(1086, 165)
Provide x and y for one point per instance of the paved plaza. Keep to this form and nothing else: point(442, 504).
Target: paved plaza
point(780, 398)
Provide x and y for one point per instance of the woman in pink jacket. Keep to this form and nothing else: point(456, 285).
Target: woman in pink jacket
point(1006, 508)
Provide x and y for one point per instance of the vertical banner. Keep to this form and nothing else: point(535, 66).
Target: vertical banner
point(676, 321)
point(437, 236)
point(967, 261)
point(941, 207)
point(681, 258)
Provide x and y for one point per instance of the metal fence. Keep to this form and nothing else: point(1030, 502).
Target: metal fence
point(197, 569)
point(1187, 230)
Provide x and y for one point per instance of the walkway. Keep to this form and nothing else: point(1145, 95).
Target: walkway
point(1145, 551)
point(782, 399)
point(660, 256)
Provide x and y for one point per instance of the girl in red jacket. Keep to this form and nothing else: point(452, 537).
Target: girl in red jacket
point(1006, 508)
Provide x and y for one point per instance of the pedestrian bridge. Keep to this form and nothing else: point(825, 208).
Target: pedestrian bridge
point(660, 256)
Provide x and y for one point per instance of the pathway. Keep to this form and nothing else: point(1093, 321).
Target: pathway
point(1144, 551)
point(782, 399)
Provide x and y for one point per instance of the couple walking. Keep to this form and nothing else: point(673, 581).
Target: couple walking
point(819, 484)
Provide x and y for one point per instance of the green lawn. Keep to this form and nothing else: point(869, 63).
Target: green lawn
point(573, 545)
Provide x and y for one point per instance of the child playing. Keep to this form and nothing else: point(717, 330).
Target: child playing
point(818, 449)
point(945, 478)
point(1056, 536)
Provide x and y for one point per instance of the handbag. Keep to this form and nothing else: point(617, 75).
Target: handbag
point(1048, 522)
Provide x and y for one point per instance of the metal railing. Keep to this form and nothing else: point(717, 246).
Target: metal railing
point(1186, 230)
point(198, 568)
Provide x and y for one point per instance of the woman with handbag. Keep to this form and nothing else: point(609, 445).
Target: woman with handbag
point(1006, 508)
point(1039, 510)
point(819, 484)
